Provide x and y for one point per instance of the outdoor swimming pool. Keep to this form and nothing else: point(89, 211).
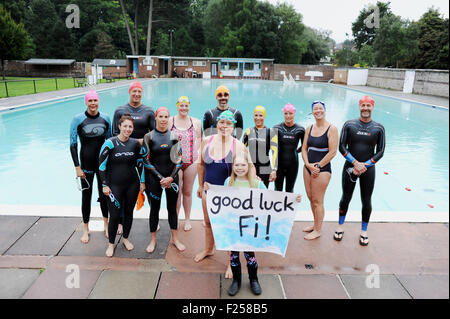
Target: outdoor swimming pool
point(36, 167)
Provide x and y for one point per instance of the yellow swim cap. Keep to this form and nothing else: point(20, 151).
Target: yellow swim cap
point(222, 89)
point(183, 99)
point(260, 108)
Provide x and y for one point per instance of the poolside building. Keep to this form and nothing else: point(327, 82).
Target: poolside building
point(201, 67)
point(111, 67)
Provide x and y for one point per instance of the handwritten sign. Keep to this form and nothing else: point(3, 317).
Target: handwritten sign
point(250, 219)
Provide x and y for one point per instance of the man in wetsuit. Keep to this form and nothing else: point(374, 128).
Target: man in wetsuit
point(359, 137)
point(289, 136)
point(260, 140)
point(143, 116)
point(210, 117)
point(92, 128)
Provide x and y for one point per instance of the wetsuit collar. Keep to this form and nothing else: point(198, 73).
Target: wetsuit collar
point(92, 116)
point(136, 107)
point(365, 122)
point(218, 108)
point(161, 131)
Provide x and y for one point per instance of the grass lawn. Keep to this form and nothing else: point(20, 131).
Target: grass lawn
point(42, 85)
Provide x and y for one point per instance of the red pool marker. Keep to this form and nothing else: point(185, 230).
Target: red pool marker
point(408, 189)
point(431, 206)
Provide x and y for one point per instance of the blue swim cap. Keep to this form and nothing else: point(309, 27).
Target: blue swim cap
point(318, 102)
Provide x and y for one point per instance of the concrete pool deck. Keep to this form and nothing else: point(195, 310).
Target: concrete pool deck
point(39, 254)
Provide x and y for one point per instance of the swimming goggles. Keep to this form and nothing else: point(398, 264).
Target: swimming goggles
point(350, 173)
point(318, 102)
point(113, 199)
point(175, 187)
point(226, 115)
point(79, 186)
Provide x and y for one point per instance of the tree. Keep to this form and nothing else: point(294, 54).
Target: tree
point(366, 56)
point(162, 46)
point(290, 29)
point(433, 41)
point(364, 31)
point(104, 48)
point(14, 40)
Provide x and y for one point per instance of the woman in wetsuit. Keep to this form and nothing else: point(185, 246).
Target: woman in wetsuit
point(119, 158)
point(189, 131)
point(162, 162)
point(260, 140)
point(92, 128)
point(289, 136)
point(319, 148)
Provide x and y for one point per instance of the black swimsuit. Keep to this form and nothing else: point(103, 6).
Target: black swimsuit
point(317, 149)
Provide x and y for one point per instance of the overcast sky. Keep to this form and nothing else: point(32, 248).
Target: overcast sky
point(338, 16)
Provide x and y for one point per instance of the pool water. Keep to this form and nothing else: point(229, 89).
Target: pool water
point(36, 167)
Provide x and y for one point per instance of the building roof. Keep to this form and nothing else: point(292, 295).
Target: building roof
point(110, 62)
point(202, 58)
point(50, 61)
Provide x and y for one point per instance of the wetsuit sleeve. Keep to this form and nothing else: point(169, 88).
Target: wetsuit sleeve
point(239, 125)
point(74, 141)
point(381, 142)
point(176, 157)
point(302, 136)
point(274, 148)
point(145, 151)
point(109, 131)
point(245, 137)
point(152, 121)
point(206, 123)
point(343, 141)
point(115, 123)
point(105, 151)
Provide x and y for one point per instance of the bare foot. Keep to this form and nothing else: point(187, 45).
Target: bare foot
point(178, 245)
point(187, 226)
point(157, 229)
point(151, 247)
point(200, 256)
point(308, 229)
point(128, 245)
point(312, 235)
point(85, 238)
point(110, 251)
point(228, 273)
point(120, 230)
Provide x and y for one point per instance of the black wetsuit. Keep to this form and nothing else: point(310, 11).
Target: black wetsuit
point(288, 149)
point(162, 158)
point(92, 131)
point(143, 116)
point(259, 143)
point(210, 121)
point(358, 141)
point(118, 170)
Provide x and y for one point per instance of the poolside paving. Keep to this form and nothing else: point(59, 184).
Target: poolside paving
point(12, 228)
point(412, 260)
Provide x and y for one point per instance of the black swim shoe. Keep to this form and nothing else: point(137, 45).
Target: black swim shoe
point(255, 287)
point(234, 288)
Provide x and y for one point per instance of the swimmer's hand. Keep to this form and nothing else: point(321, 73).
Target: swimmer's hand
point(106, 190)
point(166, 181)
point(142, 187)
point(200, 192)
point(80, 172)
point(298, 198)
point(206, 186)
point(273, 176)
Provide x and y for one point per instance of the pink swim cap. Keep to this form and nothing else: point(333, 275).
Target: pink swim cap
point(289, 108)
point(367, 99)
point(134, 85)
point(162, 108)
point(91, 95)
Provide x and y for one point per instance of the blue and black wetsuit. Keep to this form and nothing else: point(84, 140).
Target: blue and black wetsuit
point(288, 149)
point(92, 132)
point(358, 141)
point(210, 122)
point(143, 116)
point(118, 170)
point(162, 158)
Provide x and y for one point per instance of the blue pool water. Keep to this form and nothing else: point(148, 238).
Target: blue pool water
point(36, 167)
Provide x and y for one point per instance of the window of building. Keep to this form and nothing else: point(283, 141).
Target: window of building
point(199, 63)
point(181, 63)
point(233, 66)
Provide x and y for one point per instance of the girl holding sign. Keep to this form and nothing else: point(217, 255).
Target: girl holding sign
point(241, 176)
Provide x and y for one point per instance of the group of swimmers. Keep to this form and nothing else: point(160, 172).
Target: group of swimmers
point(143, 151)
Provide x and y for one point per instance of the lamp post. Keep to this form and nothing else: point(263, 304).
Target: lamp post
point(171, 31)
